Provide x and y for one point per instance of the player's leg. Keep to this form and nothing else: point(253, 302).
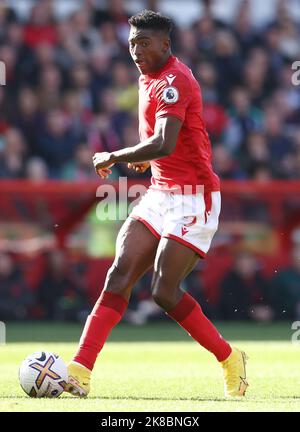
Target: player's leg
point(172, 264)
point(135, 252)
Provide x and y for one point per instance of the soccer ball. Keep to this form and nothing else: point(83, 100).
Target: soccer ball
point(43, 374)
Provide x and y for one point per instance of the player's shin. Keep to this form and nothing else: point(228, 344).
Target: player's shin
point(107, 312)
point(188, 314)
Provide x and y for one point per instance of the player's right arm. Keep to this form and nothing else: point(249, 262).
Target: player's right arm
point(171, 105)
point(160, 144)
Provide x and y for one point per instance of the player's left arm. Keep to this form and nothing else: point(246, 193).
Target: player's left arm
point(160, 144)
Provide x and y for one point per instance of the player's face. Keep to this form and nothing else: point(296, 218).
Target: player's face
point(148, 49)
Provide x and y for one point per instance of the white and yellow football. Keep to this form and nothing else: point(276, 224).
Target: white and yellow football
point(43, 375)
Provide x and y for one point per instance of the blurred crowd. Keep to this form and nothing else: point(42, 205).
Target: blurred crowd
point(244, 292)
point(61, 293)
point(71, 90)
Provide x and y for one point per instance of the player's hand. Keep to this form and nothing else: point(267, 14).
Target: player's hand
point(139, 167)
point(102, 163)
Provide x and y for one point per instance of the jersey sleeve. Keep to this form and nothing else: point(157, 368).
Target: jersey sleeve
point(172, 94)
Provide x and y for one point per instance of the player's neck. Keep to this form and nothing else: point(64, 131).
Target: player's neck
point(164, 61)
point(167, 58)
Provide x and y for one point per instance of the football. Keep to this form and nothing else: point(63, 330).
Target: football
point(43, 375)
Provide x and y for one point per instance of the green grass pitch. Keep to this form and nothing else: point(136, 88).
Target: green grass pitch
point(159, 368)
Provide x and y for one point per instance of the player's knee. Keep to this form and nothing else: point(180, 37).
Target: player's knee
point(118, 280)
point(163, 296)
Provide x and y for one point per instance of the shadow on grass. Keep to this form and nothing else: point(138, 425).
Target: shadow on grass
point(155, 332)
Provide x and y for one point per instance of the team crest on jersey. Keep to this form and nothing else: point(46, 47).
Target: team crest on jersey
point(170, 95)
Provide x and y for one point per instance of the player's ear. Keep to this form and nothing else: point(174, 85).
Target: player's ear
point(166, 44)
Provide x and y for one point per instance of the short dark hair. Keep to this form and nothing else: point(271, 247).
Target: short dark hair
point(147, 19)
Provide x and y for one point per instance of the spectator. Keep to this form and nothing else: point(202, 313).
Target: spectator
point(224, 164)
point(12, 157)
point(28, 118)
point(15, 298)
point(4, 121)
point(118, 119)
point(260, 172)
point(214, 114)
point(272, 39)
point(285, 289)
point(289, 37)
point(80, 168)
point(207, 75)
point(36, 170)
point(84, 33)
point(7, 16)
point(256, 153)
point(244, 292)
point(227, 60)
point(62, 292)
point(102, 136)
point(24, 55)
point(205, 29)
point(101, 76)
point(244, 118)
point(125, 90)
point(50, 85)
point(41, 27)
point(77, 116)
point(114, 16)
point(243, 28)
point(187, 46)
point(81, 82)
point(56, 143)
point(68, 50)
point(279, 144)
point(109, 39)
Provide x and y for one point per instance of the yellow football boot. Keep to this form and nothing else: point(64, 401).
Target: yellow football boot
point(79, 380)
point(234, 369)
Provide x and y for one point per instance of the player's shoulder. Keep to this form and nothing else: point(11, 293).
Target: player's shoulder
point(178, 75)
point(173, 85)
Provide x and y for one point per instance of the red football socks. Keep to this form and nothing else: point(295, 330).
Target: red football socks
point(106, 313)
point(110, 308)
point(188, 314)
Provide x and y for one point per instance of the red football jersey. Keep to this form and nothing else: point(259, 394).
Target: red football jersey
point(174, 91)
